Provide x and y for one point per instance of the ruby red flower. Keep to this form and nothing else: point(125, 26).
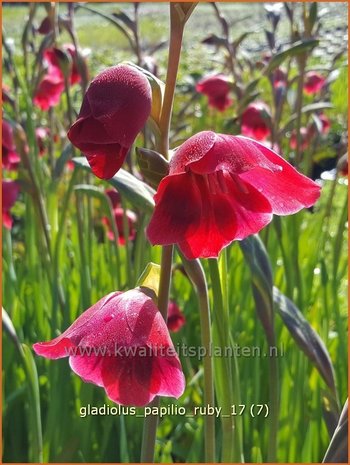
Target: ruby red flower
point(255, 121)
point(114, 110)
point(118, 214)
point(221, 188)
point(305, 137)
point(176, 319)
point(49, 91)
point(10, 158)
point(51, 87)
point(217, 89)
point(122, 344)
point(10, 190)
point(313, 82)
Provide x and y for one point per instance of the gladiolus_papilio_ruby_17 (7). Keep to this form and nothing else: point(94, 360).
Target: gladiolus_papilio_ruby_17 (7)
point(123, 345)
point(115, 108)
point(222, 188)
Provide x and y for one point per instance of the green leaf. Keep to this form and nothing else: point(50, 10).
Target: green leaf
point(135, 191)
point(305, 336)
point(258, 261)
point(337, 451)
point(296, 49)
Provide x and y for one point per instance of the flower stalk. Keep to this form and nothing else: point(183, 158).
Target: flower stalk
point(177, 24)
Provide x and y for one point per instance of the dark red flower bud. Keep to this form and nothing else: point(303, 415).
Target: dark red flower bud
point(176, 319)
point(216, 88)
point(10, 190)
point(123, 345)
point(222, 188)
point(255, 121)
point(313, 83)
point(45, 26)
point(114, 110)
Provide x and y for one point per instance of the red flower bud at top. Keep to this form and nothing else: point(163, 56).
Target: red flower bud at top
point(255, 121)
point(45, 26)
point(222, 188)
point(313, 83)
point(10, 190)
point(176, 319)
point(305, 137)
point(10, 158)
point(114, 110)
point(216, 88)
point(122, 344)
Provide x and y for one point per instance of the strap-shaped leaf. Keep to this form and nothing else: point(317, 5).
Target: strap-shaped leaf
point(337, 451)
point(305, 336)
point(258, 261)
point(296, 49)
point(137, 192)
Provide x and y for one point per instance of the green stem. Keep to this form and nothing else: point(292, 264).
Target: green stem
point(195, 271)
point(223, 367)
point(177, 24)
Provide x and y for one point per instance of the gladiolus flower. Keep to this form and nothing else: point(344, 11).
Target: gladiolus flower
point(10, 190)
point(313, 83)
point(10, 158)
point(222, 188)
point(304, 139)
point(114, 110)
point(49, 91)
point(216, 88)
point(254, 121)
point(176, 319)
point(123, 345)
point(118, 214)
point(50, 88)
point(324, 129)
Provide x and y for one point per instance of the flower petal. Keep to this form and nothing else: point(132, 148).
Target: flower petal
point(177, 212)
point(288, 191)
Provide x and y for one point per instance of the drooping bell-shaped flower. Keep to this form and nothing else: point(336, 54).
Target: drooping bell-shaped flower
point(313, 82)
point(255, 121)
point(123, 345)
point(222, 188)
point(217, 89)
point(115, 108)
